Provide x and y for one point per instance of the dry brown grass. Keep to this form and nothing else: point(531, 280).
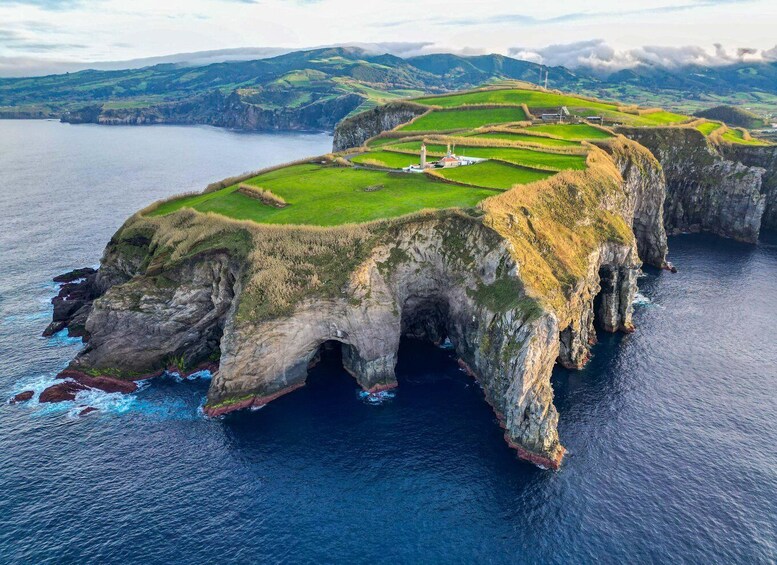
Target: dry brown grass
point(232, 181)
point(555, 224)
point(262, 195)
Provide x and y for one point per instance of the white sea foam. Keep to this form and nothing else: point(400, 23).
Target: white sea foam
point(204, 375)
point(641, 300)
point(376, 397)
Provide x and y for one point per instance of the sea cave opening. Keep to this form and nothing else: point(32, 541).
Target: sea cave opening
point(327, 368)
point(426, 319)
point(425, 348)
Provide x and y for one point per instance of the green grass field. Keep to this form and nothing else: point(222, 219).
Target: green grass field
point(576, 132)
point(661, 118)
point(538, 99)
point(465, 119)
point(519, 156)
point(328, 196)
point(526, 138)
point(708, 127)
point(736, 136)
point(532, 98)
point(386, 159)
point(494, 175)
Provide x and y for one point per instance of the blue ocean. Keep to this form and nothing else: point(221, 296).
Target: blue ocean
point(671, 431)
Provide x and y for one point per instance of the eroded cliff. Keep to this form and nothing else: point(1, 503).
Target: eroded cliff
point(723, 189)
point(764, 157)
point(516, 284)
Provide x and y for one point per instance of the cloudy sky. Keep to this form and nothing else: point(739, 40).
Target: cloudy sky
point(51, 34)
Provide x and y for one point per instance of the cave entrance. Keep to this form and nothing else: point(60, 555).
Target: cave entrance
point(328, 365)
point(331, 360)
point(425, 350)
point(426, 319)
point(607, 306)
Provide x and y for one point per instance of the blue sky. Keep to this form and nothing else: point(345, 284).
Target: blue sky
point(608, 33)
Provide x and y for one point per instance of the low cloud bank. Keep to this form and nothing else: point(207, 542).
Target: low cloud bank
point(600, 57)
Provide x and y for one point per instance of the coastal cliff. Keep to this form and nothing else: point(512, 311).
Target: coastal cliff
point(354, 131)
point(724, 189)
point(764, 157)
point(230, 111)
point(516, 284)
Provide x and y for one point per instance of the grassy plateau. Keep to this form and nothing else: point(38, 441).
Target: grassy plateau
point(356, 187)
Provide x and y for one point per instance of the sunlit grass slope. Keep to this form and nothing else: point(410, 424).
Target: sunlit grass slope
point(328, 196)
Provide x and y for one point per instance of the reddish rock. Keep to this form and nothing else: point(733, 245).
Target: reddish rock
point(540, 460)
point(60, 392)
point(382, 388)
point(23, 396)
point(106, 384)
point(250, 402)
point(87, 410)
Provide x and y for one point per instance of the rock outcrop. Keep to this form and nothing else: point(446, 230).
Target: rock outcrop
point(73, 382)
point(516, 285)
point(23, 396)
point(354, 131)
point(709, 188)
point(73, 303)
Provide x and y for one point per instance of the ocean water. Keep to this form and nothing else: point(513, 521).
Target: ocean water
point(671, 431)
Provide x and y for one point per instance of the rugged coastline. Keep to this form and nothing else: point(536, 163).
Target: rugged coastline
point(518, 283)
point(186, 289)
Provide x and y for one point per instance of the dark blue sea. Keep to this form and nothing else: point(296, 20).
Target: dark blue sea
point(671, 431)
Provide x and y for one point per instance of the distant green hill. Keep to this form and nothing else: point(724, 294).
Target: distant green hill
point(314, 89)
point(733, 116)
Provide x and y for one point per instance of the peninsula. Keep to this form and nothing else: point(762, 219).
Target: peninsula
point(509, 219)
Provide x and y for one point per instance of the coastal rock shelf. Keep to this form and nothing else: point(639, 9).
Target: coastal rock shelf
point(517, 274)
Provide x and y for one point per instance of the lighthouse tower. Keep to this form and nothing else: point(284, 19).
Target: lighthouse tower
point(423, 155)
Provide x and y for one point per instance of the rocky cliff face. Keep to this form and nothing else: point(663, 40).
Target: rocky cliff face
point(763, 157)
point(354, 131)
point(516, 285)
point(229, 111)
point(709, 188)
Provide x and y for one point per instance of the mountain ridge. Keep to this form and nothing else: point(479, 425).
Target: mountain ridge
point(302, 79)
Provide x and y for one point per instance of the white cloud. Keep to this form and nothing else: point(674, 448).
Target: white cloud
point(599, 56)
point(79, 31)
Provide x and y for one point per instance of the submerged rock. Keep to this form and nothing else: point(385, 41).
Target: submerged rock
point(74, 382)
point(61, 392)
point(22, 397)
